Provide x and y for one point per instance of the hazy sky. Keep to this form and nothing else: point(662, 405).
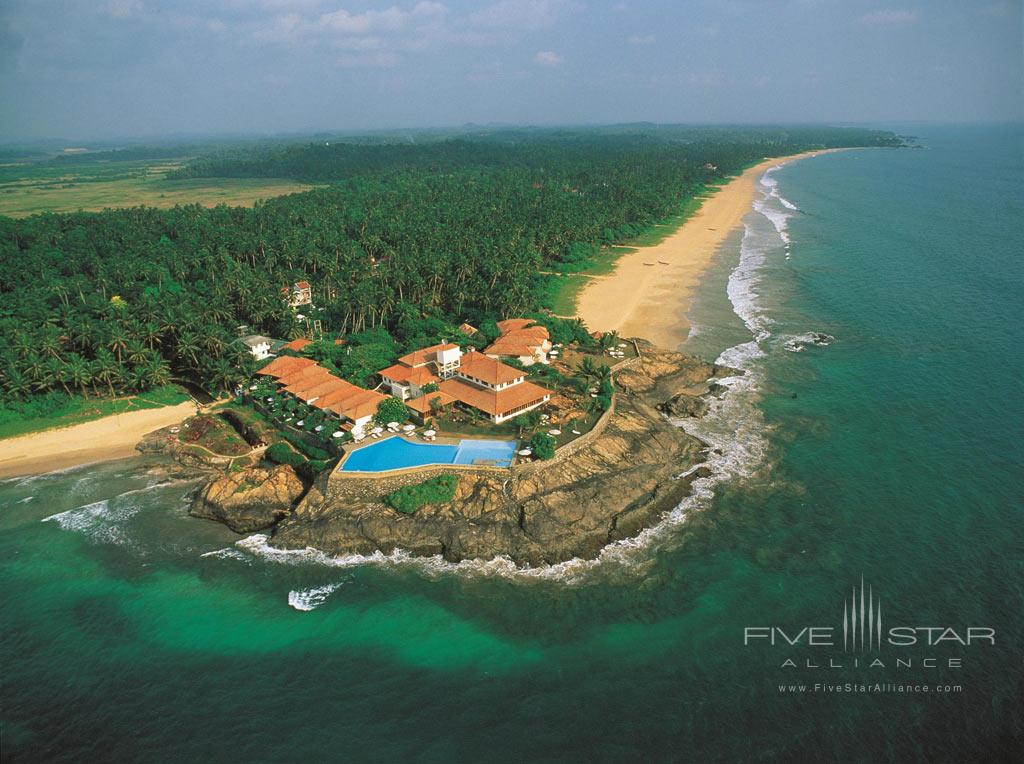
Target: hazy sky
point(115, 68)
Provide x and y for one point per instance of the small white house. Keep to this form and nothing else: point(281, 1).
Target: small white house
point(258, 345)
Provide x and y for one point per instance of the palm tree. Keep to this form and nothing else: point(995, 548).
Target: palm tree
point(151, 334)
point(135, 352)
point(118, 340)
point(79, 373)
point(105, 369)
point(16, 385)
point(156, 372)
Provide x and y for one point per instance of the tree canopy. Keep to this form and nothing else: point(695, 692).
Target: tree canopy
point(411, 239)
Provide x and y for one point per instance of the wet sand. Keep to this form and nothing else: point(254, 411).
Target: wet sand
point(113, 437)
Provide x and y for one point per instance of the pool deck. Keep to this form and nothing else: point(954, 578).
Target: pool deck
point(339, 471)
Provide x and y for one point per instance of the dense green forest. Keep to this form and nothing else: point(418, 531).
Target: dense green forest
point(410, 238)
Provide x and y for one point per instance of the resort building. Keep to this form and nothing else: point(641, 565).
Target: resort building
point(472, 379)
point(258, 345)
point(421, 367)
point(311, 383)
point(300, 293)
point(522, 340)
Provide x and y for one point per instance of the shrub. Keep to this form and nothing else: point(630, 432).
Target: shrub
point(435, 490)
point(310, 469)
point(280, 453)
point(311, 451)
point(391, 410)
point(542, 445)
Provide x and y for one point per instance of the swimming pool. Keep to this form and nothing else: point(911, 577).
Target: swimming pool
point(398, 453)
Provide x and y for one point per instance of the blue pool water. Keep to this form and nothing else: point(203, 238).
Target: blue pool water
point(398, 453)
point(496, 452)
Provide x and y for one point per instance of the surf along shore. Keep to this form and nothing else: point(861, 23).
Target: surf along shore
point(650, 289)
point(112, 437)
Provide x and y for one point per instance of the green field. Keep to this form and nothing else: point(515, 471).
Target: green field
point(33, 417)
point(68, 186)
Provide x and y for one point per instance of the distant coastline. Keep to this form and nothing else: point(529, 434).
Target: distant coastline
point(651, 287)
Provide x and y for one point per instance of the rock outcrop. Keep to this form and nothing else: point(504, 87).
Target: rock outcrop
point(251, 499)
point(683, 405)
point(618, 483)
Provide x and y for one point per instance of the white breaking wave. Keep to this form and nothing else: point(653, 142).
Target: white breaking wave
point(104, 521)
point(228, 554)
point(98, 521)
point(311, 599)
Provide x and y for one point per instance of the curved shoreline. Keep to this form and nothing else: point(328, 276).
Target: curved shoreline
point(112, 437)
point(651, 288)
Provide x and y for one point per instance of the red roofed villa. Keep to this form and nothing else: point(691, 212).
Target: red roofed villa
point(521, 339)
point(472, 379)
point(311, 383)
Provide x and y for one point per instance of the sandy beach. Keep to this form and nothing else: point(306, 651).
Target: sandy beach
point(113, 437)
point(649, 291)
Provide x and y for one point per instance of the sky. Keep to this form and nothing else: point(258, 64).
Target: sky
point(127, 68)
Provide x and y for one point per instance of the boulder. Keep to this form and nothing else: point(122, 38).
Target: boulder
point(251, 499)
point(683, 405)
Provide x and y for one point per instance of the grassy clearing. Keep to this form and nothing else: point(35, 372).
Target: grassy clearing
point(21, 420)
point(28, 189)
point(558, 292)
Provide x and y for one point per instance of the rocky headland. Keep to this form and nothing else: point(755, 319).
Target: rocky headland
point(631, 469)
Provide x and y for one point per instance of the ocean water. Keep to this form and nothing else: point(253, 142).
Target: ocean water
point(891, 455)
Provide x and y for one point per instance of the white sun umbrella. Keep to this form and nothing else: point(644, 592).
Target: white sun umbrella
point(554, 432)
point(392, 425)
point(337, 434)
point(429, 433)
point(525, 452)
point(409, 427)
point(300, 423)
point(623, 345)
point(377, 430)
point(318, 427)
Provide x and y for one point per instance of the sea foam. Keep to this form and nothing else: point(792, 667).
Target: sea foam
point(311, 599)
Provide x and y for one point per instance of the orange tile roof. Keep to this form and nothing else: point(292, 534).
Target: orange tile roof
point(302, 284)
point(358, 406)
point(418, 375)
point(329, 385)
point(494, 401)
point(298, 344)
point(487, 369)
point(307, 380)
point(284, 365)
point(511, 324)
point(422, 404)
point(303, 388)
point(303, 374)
point(419, 357)
point(516, 344)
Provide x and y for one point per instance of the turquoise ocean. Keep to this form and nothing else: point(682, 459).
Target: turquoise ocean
point(887, 452)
